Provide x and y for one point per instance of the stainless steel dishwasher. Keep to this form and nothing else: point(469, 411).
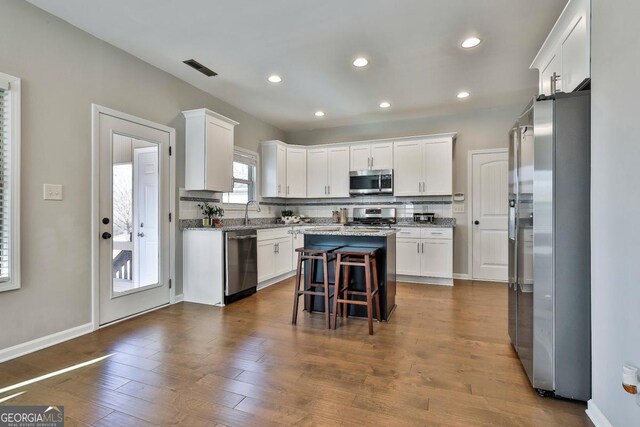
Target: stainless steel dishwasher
point(241, 258)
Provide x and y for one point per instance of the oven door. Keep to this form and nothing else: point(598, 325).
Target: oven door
point(364, 182)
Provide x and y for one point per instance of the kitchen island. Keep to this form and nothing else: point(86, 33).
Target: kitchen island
point(384, 239)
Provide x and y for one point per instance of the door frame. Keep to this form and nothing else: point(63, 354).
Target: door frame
point(470, 155)
point(96, 110)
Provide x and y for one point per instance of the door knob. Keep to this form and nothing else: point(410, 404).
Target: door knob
point(476, 222)
point(105, 221)
point(106, 235)
point(140, 234)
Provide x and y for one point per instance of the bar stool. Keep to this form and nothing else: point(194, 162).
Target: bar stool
point(313, 254)
point(354, 256)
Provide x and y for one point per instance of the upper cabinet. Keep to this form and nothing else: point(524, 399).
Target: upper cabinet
point(424, 167)
point(208, 151)
point(565, 55)
point(283, 170)
point(328, 172)
point(296, 172)
point(374, 156)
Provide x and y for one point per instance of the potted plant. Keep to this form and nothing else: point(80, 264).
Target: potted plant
point(212, 214)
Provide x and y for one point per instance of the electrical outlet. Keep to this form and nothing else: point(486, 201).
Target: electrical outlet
point(52, 192)
point(458, 208)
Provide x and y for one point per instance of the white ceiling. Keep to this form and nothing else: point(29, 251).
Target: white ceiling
point(416, 61)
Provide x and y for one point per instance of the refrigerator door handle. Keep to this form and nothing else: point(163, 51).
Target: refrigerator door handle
point(512, 222)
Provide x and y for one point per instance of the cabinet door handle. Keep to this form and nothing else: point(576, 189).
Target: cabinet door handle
point(418, 248)
point(422, 247)
point(279, 188)
point(328, 189)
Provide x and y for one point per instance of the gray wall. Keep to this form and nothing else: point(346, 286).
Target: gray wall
point(63, 71)
point(615, 204)
point(477, 129)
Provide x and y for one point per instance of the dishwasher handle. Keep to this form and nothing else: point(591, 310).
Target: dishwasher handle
point(242, 237)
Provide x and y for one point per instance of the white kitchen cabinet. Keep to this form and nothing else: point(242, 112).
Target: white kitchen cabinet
point(408, 256)
point(203, 277)
point(407, 170)
point(208, 151)
point(296, 172)
point(567, 50)
point(338, 181)
point(437, 167)
point(274, 253)
point(423, 167)
point(328, 172)
point(317, 172)
point(436, 258)
point(283, 170)
point(425, 255)
point(273, 169)
point(374, 156)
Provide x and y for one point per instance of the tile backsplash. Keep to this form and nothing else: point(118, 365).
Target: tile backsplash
point(316, 208)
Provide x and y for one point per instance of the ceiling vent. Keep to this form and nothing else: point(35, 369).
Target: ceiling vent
point(198, 66)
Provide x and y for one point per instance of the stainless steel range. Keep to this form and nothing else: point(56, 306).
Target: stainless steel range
point(377, 217)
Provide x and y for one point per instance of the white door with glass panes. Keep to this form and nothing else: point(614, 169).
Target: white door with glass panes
point(317, 169)
point(133, 208)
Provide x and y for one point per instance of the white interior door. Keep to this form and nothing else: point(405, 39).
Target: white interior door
point(133, 208)
point(489, 216)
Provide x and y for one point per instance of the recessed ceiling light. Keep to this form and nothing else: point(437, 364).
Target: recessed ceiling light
point(360, 62)
point(471, 42)
point(463, 95)
point(385, 104)
point(319, 113)
point(274, 78)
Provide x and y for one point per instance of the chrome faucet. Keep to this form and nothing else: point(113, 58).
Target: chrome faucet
point(246, 210)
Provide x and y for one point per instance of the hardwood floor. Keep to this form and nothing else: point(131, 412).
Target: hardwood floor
point(443, 359)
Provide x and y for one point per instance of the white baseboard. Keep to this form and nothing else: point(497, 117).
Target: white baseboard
point(424, 280)
point(178, 298)
point(596, 415)
point(459, 276)
point(43, 342)
point(273, 281)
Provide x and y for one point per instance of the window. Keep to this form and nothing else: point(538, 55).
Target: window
point(244, 178)
point(9, 182)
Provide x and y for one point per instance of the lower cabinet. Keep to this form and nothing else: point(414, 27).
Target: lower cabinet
point(425, 255)
point(274, 253)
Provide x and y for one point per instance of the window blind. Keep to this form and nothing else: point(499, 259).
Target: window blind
point(5, 185)
point(246, 158)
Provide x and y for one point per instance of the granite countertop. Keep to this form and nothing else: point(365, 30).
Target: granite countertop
point(266, 223)
point(348, 231)
point(438, 223)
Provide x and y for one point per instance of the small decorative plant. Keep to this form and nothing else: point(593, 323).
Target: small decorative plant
point(286, 212)
point(212, 214)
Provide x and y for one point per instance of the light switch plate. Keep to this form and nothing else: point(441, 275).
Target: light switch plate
point(458, 208)
point(52, 191)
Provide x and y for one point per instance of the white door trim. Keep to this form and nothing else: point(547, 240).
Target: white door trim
point(96, 110)
point(470, 155)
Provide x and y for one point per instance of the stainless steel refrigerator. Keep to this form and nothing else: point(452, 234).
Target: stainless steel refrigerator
point(549, 244)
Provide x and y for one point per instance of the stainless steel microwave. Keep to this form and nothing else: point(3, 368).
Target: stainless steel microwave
point(367, 182)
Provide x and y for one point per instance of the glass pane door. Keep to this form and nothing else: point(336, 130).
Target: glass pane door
point(135, 179)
